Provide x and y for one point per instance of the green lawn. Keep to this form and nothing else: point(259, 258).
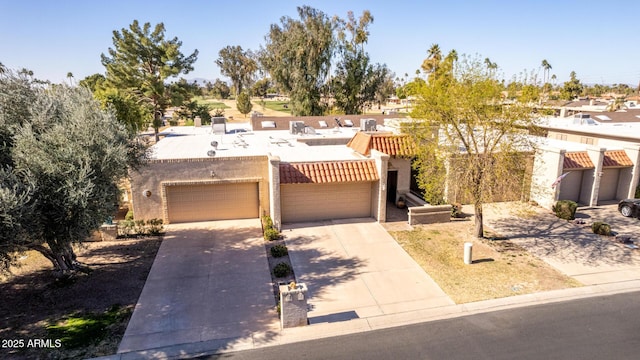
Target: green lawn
point(213, 103)
point(275, 105)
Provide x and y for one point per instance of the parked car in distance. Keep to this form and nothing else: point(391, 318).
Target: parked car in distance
point(629, 207)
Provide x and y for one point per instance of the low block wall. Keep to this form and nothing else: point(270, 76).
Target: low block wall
point(429, 214)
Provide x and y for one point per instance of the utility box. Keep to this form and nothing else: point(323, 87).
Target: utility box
point(219, 125)
point(293, 305)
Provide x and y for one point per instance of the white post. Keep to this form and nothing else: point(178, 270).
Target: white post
point(468, 247)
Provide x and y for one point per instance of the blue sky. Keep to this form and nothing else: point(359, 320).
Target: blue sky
point(598, 40)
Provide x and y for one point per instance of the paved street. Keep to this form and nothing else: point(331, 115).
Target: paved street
point(594, 328)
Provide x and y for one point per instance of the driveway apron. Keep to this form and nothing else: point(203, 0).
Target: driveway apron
point(209, 281)
point(355, 269)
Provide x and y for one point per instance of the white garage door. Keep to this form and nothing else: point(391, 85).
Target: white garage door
point(608, 184)
point(311, 202)
point(189, 203)
point(570, 186)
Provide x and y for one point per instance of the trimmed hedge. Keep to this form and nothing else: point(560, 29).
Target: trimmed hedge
point(601, 228)
point(565, 209)
point(282, 269)
point(279, 251)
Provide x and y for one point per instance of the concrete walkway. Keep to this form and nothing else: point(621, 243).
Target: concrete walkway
point(209, 281)
point(354, 269)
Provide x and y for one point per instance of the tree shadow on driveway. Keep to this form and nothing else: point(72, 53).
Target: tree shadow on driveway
point(547, 236)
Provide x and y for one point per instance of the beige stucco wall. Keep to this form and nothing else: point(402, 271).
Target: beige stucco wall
point(404, 174)
point(155, 173)
point(547, 166)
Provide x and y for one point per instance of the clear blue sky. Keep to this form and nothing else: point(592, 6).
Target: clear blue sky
point(596, 39)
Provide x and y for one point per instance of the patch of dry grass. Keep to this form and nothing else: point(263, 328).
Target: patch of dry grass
point(500, 268)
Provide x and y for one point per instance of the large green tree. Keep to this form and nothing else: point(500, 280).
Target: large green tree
point(58, 179)
point(356, 80)
point(142, 61)
point(238, 65)
point(297, 55)
point(572, 88)
point(483, 143)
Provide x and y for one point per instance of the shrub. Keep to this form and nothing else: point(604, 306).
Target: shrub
point(279, 251)
point(282, 269)
point(267, 223)
point(565, 209)
point(126, 228)
point(271, 234)
point(129, 215)
point(637, 194)
point(140, 227)
point(154, 226)
point(601, 228)
point(456, 210)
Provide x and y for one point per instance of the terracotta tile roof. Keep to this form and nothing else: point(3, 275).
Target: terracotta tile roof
point(616, 158)
point(390, 144)
point(328, 172)
point(577, 160)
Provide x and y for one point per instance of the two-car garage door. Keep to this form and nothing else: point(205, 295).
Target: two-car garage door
point(312, 202)
point(204, 202)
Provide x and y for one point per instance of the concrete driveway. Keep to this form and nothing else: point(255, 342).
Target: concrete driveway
point(573, 248)
point(355, 269)
point(209, 281)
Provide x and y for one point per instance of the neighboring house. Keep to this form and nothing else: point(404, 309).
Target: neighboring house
point(602, 162)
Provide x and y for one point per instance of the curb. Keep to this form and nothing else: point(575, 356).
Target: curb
point(325, 330)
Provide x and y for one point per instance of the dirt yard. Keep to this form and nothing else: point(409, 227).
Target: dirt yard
point(32, 298)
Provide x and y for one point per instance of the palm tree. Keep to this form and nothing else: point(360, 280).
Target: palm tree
point(490, 65)
point(546, 67)
point(70, 77)
point(434, 56)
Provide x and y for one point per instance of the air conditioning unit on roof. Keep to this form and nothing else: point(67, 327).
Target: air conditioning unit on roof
point(368, 124)
point(296, 127)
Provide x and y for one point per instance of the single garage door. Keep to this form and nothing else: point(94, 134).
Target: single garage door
point(311, 202)
point(189, 203)
point(570, 186)
point(608, 184)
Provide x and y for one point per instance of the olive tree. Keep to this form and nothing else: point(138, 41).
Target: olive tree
point(62, 159)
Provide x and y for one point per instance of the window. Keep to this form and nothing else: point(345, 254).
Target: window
point(586, 140)
point(561, 136)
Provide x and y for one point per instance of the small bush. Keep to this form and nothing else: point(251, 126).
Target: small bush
point(282, 270)
point(126, 228)
point(271, 234)
point(140, 227)
point(267, 223)
point(129, 215)
point(456, 210)
point(601, 228)
point(565, 209)
point(154, 226)
point(279, 251)
point(637, 194)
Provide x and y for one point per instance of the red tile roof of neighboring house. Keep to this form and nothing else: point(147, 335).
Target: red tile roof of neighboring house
point(577, 160)
point(617, 158)
point(390, 144)
point(328, 172)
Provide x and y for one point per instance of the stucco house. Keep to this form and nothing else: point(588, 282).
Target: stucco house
point(291, 173)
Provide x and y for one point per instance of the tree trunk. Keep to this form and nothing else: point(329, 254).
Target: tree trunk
point(478, 220)
point(63, 260)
